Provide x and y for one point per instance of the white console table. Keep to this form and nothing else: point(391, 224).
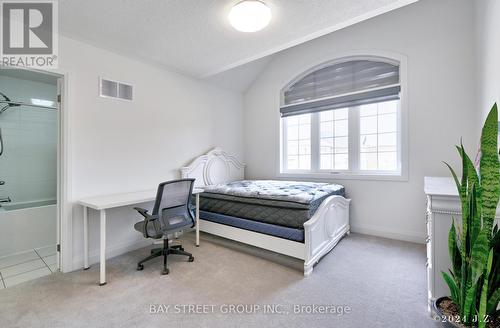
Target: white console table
point(443, 204)
point(102, 203)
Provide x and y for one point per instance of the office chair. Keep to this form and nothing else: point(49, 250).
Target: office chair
point(171, 213)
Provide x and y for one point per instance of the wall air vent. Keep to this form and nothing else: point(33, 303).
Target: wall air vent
point(114, 89)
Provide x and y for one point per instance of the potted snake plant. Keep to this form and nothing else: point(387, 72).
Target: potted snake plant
point(474, 245)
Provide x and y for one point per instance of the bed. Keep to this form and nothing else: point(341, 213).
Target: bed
point(304, 220)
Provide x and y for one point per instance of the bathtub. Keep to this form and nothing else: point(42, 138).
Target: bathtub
point(24, 205)
point(27, 225)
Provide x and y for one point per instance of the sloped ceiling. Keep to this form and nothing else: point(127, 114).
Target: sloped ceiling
point(194, 36)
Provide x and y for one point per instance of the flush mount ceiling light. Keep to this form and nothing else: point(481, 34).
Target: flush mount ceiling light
point(250, 16)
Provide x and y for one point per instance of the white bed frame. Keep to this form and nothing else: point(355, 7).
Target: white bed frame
point(322, 232)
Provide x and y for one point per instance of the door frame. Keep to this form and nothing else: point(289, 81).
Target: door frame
point(64, 211)
point(64, 208)
point(64, 217)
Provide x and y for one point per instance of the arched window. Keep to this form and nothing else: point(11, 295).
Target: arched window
point(343, 117)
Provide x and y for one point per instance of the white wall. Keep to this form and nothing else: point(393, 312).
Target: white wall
point(119, 146)
point(29, 162)
point(437, 38)
point(488, 47)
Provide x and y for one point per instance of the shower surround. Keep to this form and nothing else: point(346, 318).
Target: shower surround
point(28, 164)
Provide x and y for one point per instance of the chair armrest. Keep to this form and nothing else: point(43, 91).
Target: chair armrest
point(192, 214)
point(147, 219)
point(145, 214)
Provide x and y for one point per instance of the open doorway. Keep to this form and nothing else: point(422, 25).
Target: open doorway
point(29, 175)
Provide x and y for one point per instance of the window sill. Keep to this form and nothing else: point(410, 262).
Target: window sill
point(343, 176)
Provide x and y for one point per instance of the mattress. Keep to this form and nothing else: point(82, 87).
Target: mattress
point(284, 203)
point(255, 226)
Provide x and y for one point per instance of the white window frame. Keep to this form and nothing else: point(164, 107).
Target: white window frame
point(353, 173)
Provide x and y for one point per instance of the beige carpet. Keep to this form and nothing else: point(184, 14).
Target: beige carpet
point(383, 283)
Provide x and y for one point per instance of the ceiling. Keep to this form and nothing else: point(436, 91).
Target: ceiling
point(194, 36)
point(240, 78)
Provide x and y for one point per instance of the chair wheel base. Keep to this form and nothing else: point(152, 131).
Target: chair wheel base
point(191, 259)
point(140, 267)
point(165, 272)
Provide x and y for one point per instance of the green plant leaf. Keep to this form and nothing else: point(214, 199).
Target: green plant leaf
point(489, 169)
point(462, 285)
point(457, 182)
point(484, 293)
point(452, 286)
point(472, 174)
point(474, 192)
point(469, 302)
point(494, 284)
point(465, 193)
point(493, 301)
point(456, 259)
point(473, 217)
point(479, 255)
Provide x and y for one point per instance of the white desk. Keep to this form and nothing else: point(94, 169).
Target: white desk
point(102, 203)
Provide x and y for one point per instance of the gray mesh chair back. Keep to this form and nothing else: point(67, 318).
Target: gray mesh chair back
point(172, 205)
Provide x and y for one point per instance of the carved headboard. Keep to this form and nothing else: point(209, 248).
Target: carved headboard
point(214, 167)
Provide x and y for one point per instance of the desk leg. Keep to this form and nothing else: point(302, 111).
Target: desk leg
point(102, 256)
point(85, 238)
point(197, 220)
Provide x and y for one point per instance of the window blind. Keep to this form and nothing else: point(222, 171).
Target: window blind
point(341, 85)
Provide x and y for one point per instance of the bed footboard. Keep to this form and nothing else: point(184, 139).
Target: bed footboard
point(324, 230)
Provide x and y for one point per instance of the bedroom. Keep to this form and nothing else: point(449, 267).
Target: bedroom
point(198, 84)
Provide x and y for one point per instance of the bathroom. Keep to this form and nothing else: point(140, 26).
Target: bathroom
point(29, 147)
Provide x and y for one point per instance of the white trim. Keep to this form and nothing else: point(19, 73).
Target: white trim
point(353, 140)
point(65, 182)
point(410, 236)
point(325, 60)
point(64, 164)
point(317, 34)
point(341, 176)
point(65, 214)
point(60, 90)
point(404, 112)
point(111, 251)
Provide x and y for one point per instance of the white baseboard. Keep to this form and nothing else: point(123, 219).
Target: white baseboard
point(122, 248)
point(111, 251)
point(410, 236)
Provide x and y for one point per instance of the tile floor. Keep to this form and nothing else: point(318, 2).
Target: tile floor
point(21, 267)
